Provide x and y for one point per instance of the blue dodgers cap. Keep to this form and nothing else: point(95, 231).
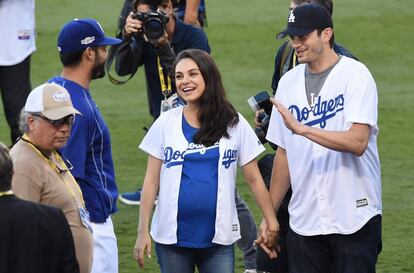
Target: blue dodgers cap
point(306, 18)
point(79, 34)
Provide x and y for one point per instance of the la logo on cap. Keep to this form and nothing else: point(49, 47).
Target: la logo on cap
point(291, 17)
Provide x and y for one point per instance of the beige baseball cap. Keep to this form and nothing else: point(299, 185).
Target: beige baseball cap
point(51, 100)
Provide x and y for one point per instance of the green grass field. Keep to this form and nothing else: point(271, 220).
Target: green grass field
point(242, 38)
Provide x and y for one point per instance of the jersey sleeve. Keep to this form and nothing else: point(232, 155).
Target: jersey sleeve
point(277, 129)
point(153, 140)
point(250, 145)
point(361, 101)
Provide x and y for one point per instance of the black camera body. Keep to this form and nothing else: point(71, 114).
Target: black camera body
point(154, 22)
point(261, 101)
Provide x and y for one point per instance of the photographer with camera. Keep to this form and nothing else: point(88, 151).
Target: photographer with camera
point(152, 36)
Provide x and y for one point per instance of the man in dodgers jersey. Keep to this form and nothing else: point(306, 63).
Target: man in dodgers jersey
point(82, 50)
point(325, 124)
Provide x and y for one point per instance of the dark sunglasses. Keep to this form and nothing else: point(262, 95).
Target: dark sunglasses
point(58, 122)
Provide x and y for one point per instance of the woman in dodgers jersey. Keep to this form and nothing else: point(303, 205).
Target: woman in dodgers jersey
point(193, 152)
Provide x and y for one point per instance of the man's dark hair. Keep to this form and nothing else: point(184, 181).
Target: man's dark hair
point(6, 168)
point(327, 4)
point(71, 58)
point(152, 3)
point(216, 112)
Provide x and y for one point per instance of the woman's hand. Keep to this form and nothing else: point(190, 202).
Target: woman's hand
point(268, 239)
point(142, 246)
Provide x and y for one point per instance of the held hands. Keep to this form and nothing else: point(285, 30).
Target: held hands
point(142, 245)
point(268, 239)
point(290, 121)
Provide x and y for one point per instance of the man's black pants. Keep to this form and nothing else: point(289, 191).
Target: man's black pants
point(15, 87)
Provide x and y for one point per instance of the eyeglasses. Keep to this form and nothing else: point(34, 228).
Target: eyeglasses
point(58, 122)
point(69, 165)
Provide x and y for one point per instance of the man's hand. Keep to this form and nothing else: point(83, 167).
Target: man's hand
point(290, 121)
point(132, 26)
point(163, 40)
point(268, 240)
point(259, 117)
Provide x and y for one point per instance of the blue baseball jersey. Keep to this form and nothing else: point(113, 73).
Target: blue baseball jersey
point(89, 151)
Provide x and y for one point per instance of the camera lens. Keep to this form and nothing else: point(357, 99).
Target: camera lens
point(154, 29)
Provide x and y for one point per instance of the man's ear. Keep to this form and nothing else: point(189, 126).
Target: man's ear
point(30, 123)
point(327, 34)
point(89, 54)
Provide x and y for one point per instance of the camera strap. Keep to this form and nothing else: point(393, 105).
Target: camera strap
point(108, 63)
point(165, 88)
point(289, 59)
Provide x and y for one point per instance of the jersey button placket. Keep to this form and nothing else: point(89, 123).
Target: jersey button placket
point(320, 190)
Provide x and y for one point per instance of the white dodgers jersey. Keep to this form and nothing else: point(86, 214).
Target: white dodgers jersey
point(17, 31)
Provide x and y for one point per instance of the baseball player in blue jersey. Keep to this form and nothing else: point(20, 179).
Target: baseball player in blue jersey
point(82, 47)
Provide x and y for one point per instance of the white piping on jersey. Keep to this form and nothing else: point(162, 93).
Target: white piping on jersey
point(103, 183)
point(201, 150)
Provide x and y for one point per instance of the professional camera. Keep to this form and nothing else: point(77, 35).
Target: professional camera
point(154, 22)
point(261, 101)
